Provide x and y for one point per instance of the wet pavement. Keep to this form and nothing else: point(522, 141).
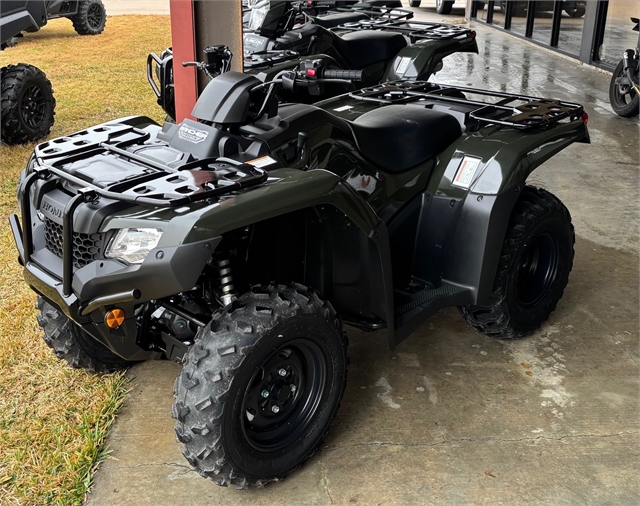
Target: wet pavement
point(453, 417)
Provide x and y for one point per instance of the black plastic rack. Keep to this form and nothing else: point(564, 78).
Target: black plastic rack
point(507, 109)
point(413, 30)
point(389, 14)
point(170, 187)
point(268, 58)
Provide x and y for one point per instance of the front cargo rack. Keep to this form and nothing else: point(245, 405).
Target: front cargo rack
point(261, 59)
point(509, 109)
point(156, 184)
point(413, 30)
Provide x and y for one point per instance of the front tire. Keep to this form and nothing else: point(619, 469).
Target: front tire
point(444, 6)
point(536, 259)
point(27, 104)
point(72, 344)
point(414, 3)
point(624, 99)
point(91, 18)
point(260, 386)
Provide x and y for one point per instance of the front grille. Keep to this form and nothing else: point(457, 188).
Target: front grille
point(86, 247)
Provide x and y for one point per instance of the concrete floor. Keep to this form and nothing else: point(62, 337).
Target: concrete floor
point(453, 417)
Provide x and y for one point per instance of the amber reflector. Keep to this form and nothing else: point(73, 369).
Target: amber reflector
point(114, 318)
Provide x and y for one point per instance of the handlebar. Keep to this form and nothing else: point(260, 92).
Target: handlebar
point(351, 75)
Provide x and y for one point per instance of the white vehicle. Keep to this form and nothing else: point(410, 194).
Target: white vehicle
point(444, 6)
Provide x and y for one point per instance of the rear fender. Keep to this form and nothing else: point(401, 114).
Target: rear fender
point(419, 61)
point(503, 160)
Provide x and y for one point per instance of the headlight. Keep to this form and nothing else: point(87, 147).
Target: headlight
point(133, 244)
point(258, 13)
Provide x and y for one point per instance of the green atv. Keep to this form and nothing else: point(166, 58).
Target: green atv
point(240, 244)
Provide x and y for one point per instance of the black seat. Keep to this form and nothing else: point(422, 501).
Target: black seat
point(398, 137)
point(333, 20)
point(366, 47)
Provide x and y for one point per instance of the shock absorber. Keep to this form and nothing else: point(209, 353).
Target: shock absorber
point(226, 292)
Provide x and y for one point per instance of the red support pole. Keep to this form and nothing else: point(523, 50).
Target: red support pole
point(184, 49)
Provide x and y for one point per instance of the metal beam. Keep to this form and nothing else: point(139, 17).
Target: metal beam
point(184, 49)
point(218, 22)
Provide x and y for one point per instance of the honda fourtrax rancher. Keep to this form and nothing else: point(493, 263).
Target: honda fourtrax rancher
point(241, 244)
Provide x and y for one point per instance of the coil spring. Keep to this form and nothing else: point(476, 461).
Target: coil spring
point(226, 290)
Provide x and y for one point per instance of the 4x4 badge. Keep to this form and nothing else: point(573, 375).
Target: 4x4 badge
point(192, 134)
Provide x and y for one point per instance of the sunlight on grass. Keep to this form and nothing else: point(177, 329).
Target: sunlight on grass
point(53, 419)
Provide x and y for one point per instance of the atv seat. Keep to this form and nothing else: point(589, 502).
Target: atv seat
point(398, 137)
point(366, 47)
point(333, 20)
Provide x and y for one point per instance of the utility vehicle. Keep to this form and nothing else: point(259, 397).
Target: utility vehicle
point(385, 45)
point(28, 105)
point(240, 244)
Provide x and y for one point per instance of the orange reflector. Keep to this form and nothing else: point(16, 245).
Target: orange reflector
point(114, 318)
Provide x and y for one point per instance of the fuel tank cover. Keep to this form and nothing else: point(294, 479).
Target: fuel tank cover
point(226, 99)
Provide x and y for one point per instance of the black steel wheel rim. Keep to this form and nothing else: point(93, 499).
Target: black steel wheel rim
point(537, 270)
point(94, 16)
point(284, 394)
point(33, 106)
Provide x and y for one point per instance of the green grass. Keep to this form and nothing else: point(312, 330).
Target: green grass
point(54, 419)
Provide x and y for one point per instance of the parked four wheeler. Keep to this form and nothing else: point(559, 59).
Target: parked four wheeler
point(89, 17)
point(241, 243)
point(386, 48)
point(28, 105)
point(624, 93)
point(445, 6)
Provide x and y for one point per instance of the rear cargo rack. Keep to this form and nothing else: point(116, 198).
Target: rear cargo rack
point(158, 184)
point(413, 30)
point(391, 14)
point(508, 109)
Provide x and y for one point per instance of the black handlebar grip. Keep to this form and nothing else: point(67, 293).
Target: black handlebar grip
point(351, 75)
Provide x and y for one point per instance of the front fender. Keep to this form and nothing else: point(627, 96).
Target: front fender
point(285, 191)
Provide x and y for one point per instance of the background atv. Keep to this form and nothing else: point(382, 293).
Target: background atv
point(27, 96)
point(89, 17)
point(385, 48)
point(239, 244)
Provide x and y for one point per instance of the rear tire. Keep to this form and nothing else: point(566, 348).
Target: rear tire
point(91, 18)
point(27, 104)
point(231, 431)
point(415, 3)
point(624, 100)
point(536, 259)
point(72, 344)
point(444, 6)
